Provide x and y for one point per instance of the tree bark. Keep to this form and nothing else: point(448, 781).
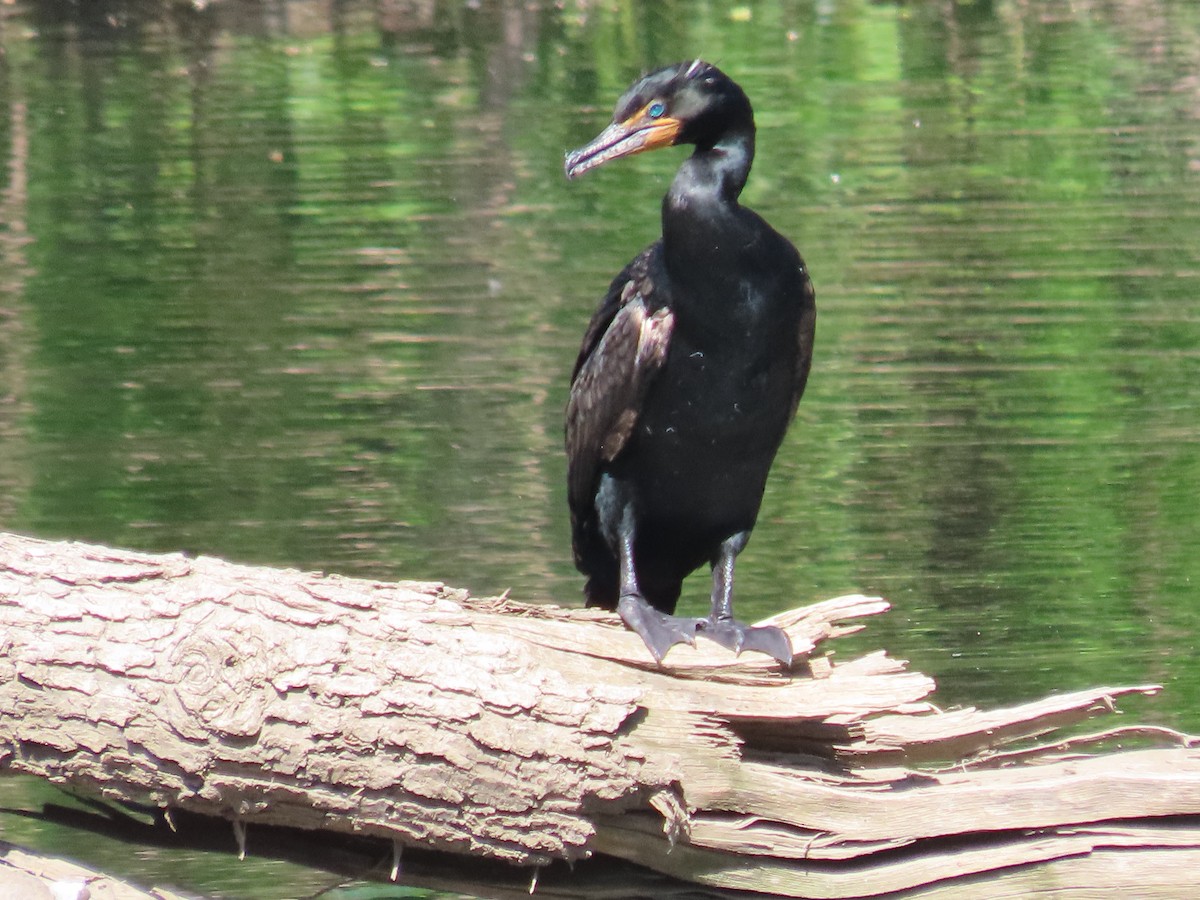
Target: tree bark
point(485, 729)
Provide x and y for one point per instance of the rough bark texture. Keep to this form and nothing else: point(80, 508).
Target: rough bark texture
point(497, 731)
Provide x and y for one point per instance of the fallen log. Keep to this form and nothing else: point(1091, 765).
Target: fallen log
point(35, 876)
point(484, 732)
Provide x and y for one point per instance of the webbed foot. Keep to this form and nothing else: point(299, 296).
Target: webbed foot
point(737, 636)
point(660, 631)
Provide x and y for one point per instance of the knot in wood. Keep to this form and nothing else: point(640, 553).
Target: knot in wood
point(222, 684)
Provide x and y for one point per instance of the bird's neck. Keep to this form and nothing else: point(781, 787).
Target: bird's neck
point(715, 174)
point(702, 219)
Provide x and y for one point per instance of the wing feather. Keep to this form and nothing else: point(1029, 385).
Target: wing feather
point(625, 347)
point(804, 336)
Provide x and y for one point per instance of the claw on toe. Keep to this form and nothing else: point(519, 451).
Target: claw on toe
point(660, 631)
point(739, 637)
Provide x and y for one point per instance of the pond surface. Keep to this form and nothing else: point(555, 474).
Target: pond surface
point(301, 284)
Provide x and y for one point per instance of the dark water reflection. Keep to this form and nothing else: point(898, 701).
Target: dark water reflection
point(301, 284)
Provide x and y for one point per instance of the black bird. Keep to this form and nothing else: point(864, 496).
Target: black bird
point(689, 374)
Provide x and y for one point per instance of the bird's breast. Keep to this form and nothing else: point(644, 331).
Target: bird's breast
point(720, 401)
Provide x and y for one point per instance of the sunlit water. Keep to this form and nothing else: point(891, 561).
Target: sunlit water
point(305, 289)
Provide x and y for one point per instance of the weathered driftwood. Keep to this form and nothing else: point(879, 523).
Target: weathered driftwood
point(484, 729)
point(25, 875)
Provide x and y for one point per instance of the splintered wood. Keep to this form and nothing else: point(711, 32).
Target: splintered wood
point(497, 730)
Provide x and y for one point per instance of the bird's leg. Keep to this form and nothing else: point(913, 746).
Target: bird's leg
point(722, 627)
point(659, 630)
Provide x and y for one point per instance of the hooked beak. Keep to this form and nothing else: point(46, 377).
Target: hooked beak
point(637, 134)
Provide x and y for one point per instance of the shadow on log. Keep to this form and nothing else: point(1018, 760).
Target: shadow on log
point(375, 729)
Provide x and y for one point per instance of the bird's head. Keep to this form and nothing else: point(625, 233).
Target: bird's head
point(689, 103)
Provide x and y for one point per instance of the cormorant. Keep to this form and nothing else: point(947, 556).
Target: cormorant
point(689, 373)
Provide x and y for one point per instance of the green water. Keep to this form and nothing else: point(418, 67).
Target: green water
point(301, 284)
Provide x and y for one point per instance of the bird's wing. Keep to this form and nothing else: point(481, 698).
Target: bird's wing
point(805, 334)
point(636, 273)
point(624, 348)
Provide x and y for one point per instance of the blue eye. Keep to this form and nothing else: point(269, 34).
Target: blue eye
point(656, 109)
